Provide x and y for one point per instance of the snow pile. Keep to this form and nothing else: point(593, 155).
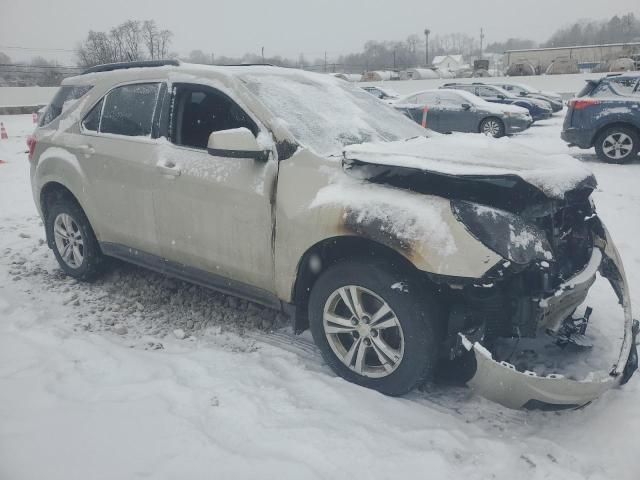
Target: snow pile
point(473, 154)
point(79, 401)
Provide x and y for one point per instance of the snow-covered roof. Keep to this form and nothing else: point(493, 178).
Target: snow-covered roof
point(441, 58)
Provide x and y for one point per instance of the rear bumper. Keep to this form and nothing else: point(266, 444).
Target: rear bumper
point(579, 137)
point(501, 382)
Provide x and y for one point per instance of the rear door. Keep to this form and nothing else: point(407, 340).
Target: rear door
point(213, 214)
point(433, 117)
point(117, 150)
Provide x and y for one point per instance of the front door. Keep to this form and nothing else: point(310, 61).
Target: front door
point(213, 214)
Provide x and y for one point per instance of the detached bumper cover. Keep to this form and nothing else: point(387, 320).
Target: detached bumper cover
point(501, 382)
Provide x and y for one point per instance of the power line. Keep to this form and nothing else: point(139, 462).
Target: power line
point(37, 48)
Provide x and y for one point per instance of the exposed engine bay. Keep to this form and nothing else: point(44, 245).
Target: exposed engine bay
point(553, 250)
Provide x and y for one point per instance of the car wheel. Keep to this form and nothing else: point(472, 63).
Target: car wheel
point(375, 326)
point(74, 243)
point(492, 126)
point(617, 145)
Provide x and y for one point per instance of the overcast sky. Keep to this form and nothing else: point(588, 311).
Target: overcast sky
point(287, 27)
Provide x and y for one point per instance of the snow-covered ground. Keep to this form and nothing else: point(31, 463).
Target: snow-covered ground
point(97, 381)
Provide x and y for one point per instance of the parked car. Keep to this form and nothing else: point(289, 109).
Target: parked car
point(385, 94)
point(606, 115)
point(395, 246)
point(448, 111)
point(522, 90)
point(616, 85)
point(539, 109)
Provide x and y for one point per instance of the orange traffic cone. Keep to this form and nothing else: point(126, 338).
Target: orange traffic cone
point(34, 117)
point(3, 132)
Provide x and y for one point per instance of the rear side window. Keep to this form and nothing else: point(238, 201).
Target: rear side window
point(617, 86)
point(63, 98)
point(129, 110)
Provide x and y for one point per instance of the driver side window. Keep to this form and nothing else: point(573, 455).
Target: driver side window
point(198, 110)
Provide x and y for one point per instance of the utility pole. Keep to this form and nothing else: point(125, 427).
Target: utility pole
point(426, 43)
point(325, 62)
point(481, 41)
point(394, 58)
point(262, 54)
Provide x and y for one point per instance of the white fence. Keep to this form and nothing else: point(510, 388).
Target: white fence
point(26, 96)
point(564, 84)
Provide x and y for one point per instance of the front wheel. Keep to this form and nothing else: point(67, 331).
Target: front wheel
point(375, 326)
point(492, 126)
point(617, 145)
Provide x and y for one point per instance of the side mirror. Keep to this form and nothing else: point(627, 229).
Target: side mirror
point(523, 94)
point(236, 143)
point(501, 97)
point(466, 106)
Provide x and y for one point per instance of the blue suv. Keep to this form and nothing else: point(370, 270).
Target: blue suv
point(606, 115)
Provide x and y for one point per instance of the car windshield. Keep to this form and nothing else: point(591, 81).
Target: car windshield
point(326, 114)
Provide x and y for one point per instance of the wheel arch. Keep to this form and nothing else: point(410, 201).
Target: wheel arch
point(617, 123)
point(50, 192)
point(328, 252)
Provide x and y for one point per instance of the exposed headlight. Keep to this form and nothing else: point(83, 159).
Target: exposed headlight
point(503, 232)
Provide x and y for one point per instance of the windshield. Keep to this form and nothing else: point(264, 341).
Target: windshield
point(326, 114)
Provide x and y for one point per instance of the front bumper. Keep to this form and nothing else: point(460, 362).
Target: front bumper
point(542, 115)
point(516, 124)
point(501, 382)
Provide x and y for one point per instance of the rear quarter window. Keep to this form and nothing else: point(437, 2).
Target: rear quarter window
point(63, 99)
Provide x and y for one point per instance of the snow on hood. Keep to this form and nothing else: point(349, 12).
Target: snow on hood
point(472, 155)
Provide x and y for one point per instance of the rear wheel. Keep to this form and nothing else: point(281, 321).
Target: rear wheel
point(375, 326)
point(617, 145)
point(74, 244)
point(492, 126)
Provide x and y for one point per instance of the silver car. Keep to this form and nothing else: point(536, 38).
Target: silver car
point(402, 250)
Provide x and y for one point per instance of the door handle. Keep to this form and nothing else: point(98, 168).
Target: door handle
point(169, 169)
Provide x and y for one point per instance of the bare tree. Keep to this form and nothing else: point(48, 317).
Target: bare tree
point(125, 43)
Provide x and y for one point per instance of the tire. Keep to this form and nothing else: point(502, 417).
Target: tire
point(413, 342)
point(492, 126)
point(626, 138)
point(66, 213)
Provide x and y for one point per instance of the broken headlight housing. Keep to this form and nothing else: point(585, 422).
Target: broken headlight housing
point(503, 232)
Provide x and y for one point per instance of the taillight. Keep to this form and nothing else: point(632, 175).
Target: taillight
point(582, 103)
point(31, 143)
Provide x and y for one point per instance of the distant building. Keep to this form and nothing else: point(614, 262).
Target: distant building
point(582, 55)
point(448, 62)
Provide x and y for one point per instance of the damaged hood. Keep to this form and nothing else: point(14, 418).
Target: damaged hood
point(473, 158)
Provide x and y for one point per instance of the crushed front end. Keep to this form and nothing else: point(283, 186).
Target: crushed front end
point(553, 251)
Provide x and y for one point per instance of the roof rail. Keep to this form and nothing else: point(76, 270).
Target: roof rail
point(108, 67)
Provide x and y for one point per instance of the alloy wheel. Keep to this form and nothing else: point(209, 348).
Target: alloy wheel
point(617, 145)
point(363, 331)
point(68, 239)
point(491, 127)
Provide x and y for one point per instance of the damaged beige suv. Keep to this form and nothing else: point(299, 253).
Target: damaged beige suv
point(405, 252)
